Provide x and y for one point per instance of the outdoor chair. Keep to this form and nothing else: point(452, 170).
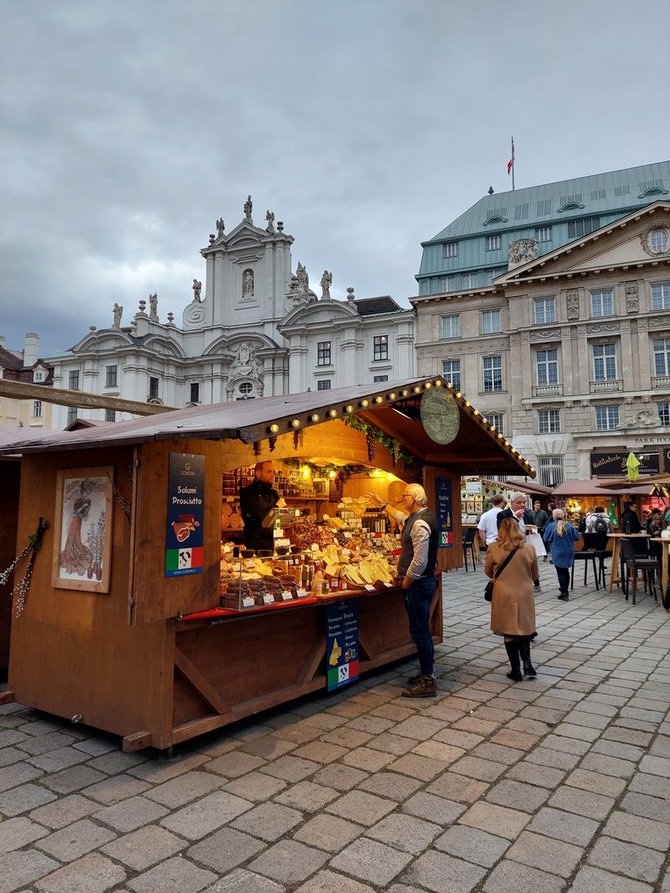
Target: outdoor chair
point(632, 563)
point(597, 542)
point(586, 556)
point(469, 535)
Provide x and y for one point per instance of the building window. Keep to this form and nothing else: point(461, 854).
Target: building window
point(660, 296)
point(493, 243)
point(549, 421)
point(579, 228)
point(451, 371)
point(194, 396)
point(37, 409)
point(602, 303)
point(468, 280)
point(662, 356)
point(323, 353)
point(451, 326)
point(38, 376)
point(495, 419)
point(153, 387)
point(607, 418)
point(658, 241)
point(663, 410)
point(246, 389)
point(381, 347)
point(450, 249)
point(323, 384)
point(492, 374)
point(73, 380)
point(379, 378)
point(71, 414)
point(546, 365)
point(110, 415)
point(545, 311)
point(604, 362)
point(491, 322)
point(111, 376)
point(551, 470)
point(543, 234)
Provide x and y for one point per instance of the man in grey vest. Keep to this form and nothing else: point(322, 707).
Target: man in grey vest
point(416, 573)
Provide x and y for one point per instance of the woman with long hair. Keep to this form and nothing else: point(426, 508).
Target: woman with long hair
point(562, 536)
point(513, 602)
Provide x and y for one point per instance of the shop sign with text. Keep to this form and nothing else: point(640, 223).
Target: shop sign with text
point(185, 515)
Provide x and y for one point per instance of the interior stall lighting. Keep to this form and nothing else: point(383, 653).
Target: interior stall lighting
point(349, 409)
point(295, 423)
point(332, 413)
point(365, 403)
point(314, 417)
point(379, 399)
point(392, 395)
point(273, 429)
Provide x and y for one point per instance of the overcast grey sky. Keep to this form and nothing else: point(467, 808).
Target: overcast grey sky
point(365, 125)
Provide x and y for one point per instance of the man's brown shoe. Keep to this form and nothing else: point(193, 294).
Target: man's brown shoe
point(424, 687)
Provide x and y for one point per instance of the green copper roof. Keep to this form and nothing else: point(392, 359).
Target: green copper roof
point(598, 199)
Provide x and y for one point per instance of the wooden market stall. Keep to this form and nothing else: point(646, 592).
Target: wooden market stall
point(109, 636)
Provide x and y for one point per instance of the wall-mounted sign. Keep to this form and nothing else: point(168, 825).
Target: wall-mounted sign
point(185, 515)
point(341, 642)
point(614, 464)
point(444, 512)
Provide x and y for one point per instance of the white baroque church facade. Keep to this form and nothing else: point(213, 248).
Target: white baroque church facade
point(255, 329)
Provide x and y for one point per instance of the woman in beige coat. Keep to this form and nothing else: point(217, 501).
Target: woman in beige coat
point(513, 603)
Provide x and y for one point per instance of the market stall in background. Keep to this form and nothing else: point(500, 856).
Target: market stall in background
point(145, 618)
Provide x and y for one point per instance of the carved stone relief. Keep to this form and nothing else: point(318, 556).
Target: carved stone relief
point(632, 298)
point(573, 303)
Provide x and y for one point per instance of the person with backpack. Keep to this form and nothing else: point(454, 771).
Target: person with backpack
point(598, 521)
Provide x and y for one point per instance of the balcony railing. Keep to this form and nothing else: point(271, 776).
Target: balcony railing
point(548, 390)
point(605, 387)
point(661, 382)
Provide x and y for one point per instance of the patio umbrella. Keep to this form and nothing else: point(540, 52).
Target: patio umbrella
point(632, 465)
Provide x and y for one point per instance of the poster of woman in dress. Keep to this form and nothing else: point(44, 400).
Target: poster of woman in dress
point(83, 529)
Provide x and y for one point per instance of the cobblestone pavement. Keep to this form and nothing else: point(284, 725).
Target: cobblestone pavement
point(562, 783)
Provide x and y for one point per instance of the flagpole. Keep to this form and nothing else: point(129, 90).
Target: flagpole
point(512, 164)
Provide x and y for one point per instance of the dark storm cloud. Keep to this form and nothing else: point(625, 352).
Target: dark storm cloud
point(366, 125)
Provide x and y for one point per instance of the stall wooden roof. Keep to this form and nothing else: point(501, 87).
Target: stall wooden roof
point(597, 488)
point(478, 448)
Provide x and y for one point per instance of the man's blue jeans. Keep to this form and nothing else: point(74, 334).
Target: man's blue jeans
point(418, 597)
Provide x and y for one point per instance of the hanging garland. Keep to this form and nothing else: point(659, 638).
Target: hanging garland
point(22, 587)
point(342, 471)
point(373, 436)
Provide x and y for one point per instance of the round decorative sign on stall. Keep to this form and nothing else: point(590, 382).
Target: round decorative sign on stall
point(440, 416)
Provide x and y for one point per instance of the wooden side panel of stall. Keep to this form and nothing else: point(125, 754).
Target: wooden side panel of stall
point(448, 557)
point(73, 651)
point(10, 477)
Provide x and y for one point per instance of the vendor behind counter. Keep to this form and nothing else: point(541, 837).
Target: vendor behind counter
point(257, 503)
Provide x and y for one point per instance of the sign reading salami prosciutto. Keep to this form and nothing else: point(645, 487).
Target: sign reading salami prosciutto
point(185, 515)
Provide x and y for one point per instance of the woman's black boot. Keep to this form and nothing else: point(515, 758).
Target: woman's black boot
point(524, 651)
point(512, 649)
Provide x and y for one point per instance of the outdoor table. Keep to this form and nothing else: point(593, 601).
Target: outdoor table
point(616, 550)
point(664, 561)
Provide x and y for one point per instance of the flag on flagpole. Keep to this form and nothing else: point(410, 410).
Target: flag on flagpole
point(510, 163)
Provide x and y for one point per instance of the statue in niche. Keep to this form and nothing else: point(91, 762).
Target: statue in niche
point(326, 282)
point(632, 298)
point(270, 217)
point(248, 284)
point(248, 207)
point(118, 313)
point(220, 226)
point(197, 288)
point(573, 304)
point(303, 280)
point(153, 307)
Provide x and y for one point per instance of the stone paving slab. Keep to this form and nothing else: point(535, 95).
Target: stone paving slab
point(556, 784)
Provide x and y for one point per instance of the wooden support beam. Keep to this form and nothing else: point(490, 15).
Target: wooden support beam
point(20, 390)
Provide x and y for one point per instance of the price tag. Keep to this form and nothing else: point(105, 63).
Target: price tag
point(369, 587)
point(268, 599)
point(248, 602)
point(301, 593)
point(287, 596)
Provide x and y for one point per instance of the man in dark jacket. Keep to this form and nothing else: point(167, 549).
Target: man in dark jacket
point(256, 502)
point(520, 513)
point(416, 573)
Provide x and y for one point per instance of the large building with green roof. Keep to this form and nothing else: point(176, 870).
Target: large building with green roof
point(549, 307)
